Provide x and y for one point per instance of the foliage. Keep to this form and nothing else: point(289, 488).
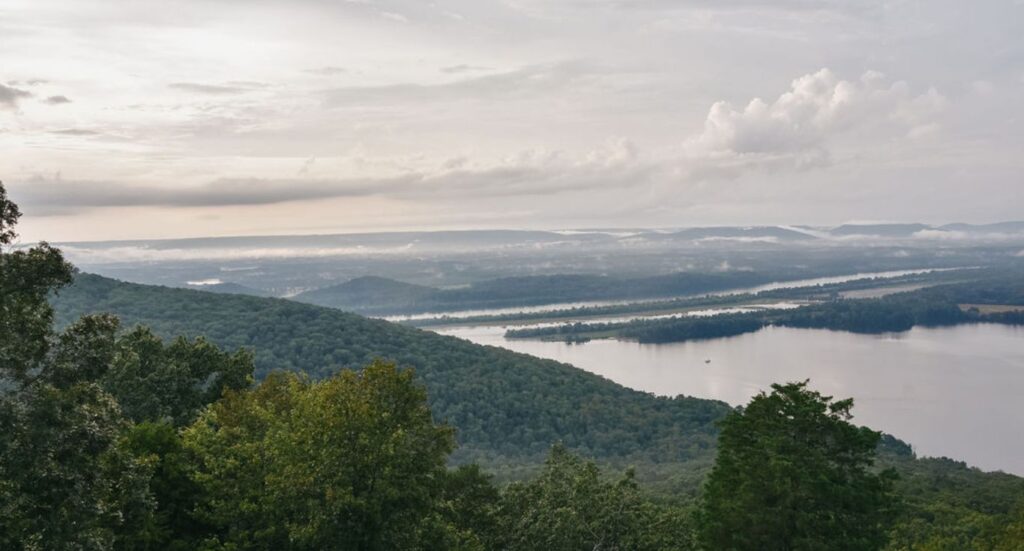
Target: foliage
point(351, 462)
point(569, 507)
point(506, 407)
point(154, 382)
point(171, 523)
point(66, 479)
point(950, 506)
point(793, 473)
point(63, 482)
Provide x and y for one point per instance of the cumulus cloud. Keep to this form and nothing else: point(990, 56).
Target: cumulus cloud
point(796, 129)
point(10, 96)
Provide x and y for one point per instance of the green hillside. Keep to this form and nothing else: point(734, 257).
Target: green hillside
point(507, 408)
point(367, 294)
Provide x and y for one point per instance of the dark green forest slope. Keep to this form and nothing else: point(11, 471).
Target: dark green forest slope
point(506, 407)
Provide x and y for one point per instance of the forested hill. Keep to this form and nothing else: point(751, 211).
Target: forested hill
point(508, 408)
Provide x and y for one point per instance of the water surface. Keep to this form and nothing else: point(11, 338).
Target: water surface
point(952, 392)
point(790, 284)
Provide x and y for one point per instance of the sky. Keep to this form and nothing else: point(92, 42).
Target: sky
point(137, 119)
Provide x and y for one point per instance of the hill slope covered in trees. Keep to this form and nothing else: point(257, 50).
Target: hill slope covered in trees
point(507, 408)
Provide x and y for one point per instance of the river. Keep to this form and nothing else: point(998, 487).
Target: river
point(951, 392)
point(791, 284)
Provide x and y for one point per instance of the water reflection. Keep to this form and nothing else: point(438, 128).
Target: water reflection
point(949, 391)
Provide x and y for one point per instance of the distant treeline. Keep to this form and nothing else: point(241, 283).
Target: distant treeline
point(929, 307)
point(820, 291)
point(380, 296)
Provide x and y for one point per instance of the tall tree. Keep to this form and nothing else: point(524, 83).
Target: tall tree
point(570, 507)
point(74, 474)
point(793, 473)
point(172, 383)
point(352, 462)
point(64, 484)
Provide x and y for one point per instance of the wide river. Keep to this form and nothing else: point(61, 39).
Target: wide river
point(954, 392)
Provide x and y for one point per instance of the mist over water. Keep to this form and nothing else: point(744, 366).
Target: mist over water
point(948, 391)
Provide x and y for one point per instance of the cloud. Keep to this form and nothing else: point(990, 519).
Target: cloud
point(941, 235)
point(329, 70)
point(862, 8)
point(212, 89)
point(394, 16)
point(56, 100)
point(796, 129)
point(76, 132)
point(528, 173)
point(9, 96)
point(462, 68)
point(543, 78)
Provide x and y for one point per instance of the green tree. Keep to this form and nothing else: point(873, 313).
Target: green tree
point(468, 508)
point(74, 473)
point(793, 473)
point(171, 524)
point(352, 462)
point(154, 382)
point(569, 507)
point(64, 484)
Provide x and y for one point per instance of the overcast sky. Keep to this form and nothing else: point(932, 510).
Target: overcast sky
point(127, 119)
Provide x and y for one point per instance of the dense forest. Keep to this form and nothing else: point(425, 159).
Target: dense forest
point(940, 305)
point(112, 437)
point(507, 407)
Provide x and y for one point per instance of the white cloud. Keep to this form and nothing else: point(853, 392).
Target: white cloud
point(817, 108)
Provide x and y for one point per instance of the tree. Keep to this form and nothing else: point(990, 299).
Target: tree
point(793, 473)
point(63, 482)
point(154, 382)
point(69, 479)
point(352, 462)
point(570, 507)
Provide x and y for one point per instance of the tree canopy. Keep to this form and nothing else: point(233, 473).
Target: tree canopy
point(793, 473)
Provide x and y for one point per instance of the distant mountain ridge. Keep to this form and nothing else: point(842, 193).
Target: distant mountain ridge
point(230, 288)
point(501, 238)
point(367, 293)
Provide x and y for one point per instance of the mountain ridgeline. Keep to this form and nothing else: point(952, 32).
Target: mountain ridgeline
point(507, 408)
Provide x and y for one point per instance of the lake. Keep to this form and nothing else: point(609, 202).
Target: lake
point(952, 392)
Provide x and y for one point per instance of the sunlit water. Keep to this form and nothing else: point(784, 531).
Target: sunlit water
point(952, 392)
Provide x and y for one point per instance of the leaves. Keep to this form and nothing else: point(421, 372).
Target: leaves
point(793, 473)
